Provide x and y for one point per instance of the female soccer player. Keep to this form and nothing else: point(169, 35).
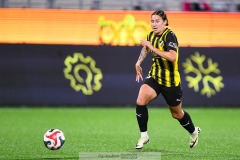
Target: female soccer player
point(163, 78)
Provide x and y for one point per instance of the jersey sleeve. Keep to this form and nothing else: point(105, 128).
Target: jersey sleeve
point(171, 42)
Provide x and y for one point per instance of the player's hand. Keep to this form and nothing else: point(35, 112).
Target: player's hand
point(138, 73)
point(147, 44)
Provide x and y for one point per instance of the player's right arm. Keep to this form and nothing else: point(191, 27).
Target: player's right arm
point(141, 57)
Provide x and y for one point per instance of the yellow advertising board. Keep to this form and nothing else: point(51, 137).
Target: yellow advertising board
point(121, 28)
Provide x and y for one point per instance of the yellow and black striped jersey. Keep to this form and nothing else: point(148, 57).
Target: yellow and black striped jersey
point(164, 71)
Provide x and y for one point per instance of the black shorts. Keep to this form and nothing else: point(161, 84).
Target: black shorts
point(172, 95)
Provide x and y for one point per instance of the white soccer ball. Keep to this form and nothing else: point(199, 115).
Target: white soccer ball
point(54, 139)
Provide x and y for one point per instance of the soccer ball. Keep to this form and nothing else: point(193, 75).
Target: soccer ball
point(54, 139)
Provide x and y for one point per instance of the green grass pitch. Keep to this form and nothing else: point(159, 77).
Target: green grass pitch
point(116, 130)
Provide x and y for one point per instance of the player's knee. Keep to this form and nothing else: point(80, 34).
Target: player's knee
point(141, 102)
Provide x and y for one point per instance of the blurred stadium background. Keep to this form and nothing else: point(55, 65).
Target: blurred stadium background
point(81, 54)
point(171, 5)
point(44, 51)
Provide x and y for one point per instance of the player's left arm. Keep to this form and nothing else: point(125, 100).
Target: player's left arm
point(171, 47)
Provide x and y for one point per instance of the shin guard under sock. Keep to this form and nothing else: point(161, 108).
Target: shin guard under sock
point(142, 117)
point(187, 123)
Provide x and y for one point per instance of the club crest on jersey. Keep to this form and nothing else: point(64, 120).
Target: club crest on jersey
point(161, 43)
